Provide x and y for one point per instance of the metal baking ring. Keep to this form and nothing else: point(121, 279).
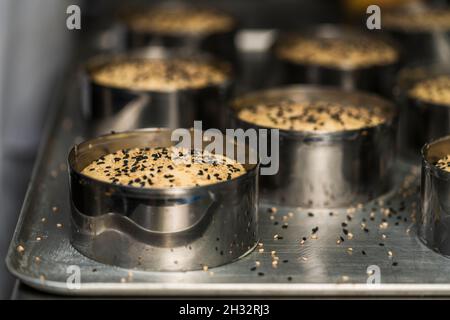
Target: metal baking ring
point(115, 109)
point(431, 46)
point(377, 78)
point(433, 221)
point(165, 229)
point(420, 121)
point(220, 44)
point(328, 170)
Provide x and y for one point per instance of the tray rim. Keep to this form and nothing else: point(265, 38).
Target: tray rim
point(237, 289)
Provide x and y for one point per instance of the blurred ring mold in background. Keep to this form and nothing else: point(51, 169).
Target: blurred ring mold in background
point(434, 217)
point(423, 95)
point(161, 228)
point(187, 27)
point(336, 148)
point(340, 56)
point(155, 87)
point(422, 31)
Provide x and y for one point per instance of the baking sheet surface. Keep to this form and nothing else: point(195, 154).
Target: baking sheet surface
point(301, 251)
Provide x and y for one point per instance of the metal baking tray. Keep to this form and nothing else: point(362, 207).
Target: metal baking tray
point(41, 255)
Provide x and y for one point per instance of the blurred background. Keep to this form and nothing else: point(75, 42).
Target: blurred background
point(37, 52)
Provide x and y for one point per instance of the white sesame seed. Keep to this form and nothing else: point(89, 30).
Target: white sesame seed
point(384, 225)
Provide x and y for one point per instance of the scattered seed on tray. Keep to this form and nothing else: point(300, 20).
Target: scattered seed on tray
point(20, 249)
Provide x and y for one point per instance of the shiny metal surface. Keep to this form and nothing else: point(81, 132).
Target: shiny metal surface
point(434, 217)
point(159, 229)
point(319, 267)
point(377, 79)
point(420, 122)
point(333, 169)
point(113, 109)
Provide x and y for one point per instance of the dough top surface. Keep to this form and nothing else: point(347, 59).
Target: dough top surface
point(180, 21)
point(427, 20)
point(434, 90)
point(159, 74)
point(311, 116)
point(163, 168)
point(444, 163)
point(358, 52)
